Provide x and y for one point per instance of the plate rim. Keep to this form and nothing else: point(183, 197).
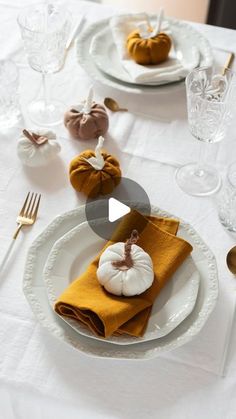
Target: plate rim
point(148, 353)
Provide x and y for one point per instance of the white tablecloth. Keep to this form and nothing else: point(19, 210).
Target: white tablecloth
point(41, 376)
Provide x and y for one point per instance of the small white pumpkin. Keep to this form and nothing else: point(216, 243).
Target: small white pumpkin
point(37, 148)
point(125, 268)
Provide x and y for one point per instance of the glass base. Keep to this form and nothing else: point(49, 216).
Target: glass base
point(198, 181)
point(49, 115)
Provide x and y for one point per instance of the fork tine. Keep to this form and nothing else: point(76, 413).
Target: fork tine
point(28, 206)
point(30, 213)
point(34, 215)
point(24, 205)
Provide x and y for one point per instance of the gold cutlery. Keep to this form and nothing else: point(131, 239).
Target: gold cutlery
point(228, 62)
point(231, 260)
point(79, 25)
point(231, 263)
point(28, 213)
point(74, 32)
point(113, 105)
point(26, 217)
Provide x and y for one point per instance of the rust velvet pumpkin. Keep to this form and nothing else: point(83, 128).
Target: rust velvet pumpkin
point(95, 173)
point(147, 51)
point(87, 121)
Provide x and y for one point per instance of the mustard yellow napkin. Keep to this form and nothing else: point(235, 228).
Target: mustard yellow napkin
point(106, 314)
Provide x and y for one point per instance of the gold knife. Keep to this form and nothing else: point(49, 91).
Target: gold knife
point(228, 62)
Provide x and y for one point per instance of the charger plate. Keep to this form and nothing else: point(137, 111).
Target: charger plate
point(36, 293)
point(71, 255)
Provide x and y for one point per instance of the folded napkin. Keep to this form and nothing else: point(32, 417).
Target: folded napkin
point(105, 314)
point(170, 70)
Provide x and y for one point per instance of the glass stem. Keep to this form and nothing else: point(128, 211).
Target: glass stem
point(45, 90)
point(201, 160)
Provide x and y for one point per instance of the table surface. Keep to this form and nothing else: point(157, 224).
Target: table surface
point(35, 368)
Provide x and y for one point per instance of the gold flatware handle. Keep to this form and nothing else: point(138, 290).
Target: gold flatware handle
point(26, 217)
point(17, 231)
point(228, 62)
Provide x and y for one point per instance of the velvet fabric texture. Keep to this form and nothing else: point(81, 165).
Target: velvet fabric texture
point(84, 178)
point(105, 314)
point(148, 51)
point(87, 126)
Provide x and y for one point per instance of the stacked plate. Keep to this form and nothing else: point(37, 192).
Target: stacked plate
point(98, 55)
point(64, 250)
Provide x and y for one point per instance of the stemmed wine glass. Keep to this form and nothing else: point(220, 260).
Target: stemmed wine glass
point(45, 29)
point(211, 100)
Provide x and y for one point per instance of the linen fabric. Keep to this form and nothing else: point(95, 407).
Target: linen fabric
point(36, 368)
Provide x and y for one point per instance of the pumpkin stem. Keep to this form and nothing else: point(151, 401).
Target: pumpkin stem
point(28, 135)
point(35, 138)
point(89, 101)
point(159, 22)
point(98, 161)
point(145, 29)
point(127, 262)
point(99, 147)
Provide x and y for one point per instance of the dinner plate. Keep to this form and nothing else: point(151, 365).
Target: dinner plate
point(36, 293)
point(184, 51)
point(87, 62)
point(70, 257)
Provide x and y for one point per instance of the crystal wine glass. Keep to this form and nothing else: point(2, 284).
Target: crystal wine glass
point(211, 100)
point(44, 29)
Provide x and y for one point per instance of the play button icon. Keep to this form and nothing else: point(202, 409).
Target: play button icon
point(116, 209)
point(104, 213)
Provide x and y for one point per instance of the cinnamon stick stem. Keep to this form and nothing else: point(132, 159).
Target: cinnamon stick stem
point(28, 135)
point(34, 137)
point(127, 261)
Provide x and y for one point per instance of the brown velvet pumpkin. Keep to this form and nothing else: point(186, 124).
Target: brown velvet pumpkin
point(94, 173)
point(87, 121)
point(147, 51)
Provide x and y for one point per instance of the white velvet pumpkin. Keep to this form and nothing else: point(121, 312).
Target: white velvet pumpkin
point(33, 154)
point(125, 280)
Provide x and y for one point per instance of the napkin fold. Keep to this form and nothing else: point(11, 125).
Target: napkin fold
point(105, 314)
point(171, 70)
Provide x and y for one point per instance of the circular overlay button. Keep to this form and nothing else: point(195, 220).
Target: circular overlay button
point(110, 209)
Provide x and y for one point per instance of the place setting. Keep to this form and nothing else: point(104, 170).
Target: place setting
point(107, 50)
point(117, 276)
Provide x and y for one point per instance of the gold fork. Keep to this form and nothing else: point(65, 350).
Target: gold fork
point(28, 213)
point(26, 217)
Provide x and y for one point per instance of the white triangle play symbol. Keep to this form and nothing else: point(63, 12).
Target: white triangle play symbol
point(116, 209)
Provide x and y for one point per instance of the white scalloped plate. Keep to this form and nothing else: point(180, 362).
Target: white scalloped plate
point(86, 61)
point(70, 256)
point(185, 52)
point(36, 294)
